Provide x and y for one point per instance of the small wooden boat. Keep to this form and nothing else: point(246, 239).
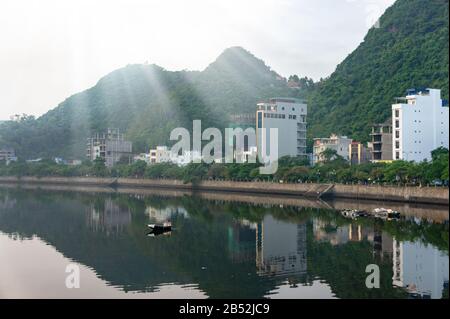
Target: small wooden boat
point(164, 227)
point(353, 213)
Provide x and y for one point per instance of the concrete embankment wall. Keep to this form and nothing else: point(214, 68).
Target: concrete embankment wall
point(435, 213)
point(428, 195)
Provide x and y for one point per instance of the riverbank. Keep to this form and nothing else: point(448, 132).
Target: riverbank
point(418, 195)
point(431, 212)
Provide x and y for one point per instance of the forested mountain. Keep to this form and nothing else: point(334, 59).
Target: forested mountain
point(410, 49)
point(146, 102)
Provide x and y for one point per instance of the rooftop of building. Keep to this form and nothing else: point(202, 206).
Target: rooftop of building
point(274, 100)
point(412, 94)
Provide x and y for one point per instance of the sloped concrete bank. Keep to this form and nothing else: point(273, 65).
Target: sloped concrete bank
point(426, 195)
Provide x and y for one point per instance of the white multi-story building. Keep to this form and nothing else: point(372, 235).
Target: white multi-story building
point(110, 146)
point(161, 154)
point(288, 115)
point(340, 144)
point(420, 125)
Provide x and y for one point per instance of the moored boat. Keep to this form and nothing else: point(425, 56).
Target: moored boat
point(164, 227)
point(386, 213)
point(353, 213)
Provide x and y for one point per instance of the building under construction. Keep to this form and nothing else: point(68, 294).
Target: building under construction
point(110, 146)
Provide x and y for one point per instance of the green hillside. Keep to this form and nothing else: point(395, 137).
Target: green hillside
point(147, 102)
point(410, 49)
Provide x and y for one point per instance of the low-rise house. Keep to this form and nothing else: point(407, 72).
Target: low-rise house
point(381, 142)
point(161, 154)
point(338, 143)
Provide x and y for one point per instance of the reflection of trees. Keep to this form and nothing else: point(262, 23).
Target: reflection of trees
point(6, 202)
point(200, 250)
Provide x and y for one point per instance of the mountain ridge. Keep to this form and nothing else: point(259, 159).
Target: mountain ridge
point(147, 102)
point(410, 49)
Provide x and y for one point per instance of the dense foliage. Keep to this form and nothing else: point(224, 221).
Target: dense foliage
point(290, 170)
point(146, 102)
point(410, 49)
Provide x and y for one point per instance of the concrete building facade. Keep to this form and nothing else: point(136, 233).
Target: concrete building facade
point(358, 153)
point(420, 124)
point(288, 115)
point(381, 142)
point(110, 146)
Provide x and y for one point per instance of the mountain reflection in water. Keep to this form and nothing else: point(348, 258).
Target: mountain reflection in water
point(217, 249)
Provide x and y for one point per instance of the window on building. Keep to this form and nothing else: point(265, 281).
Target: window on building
point(294, 117)
point(397, 124)
point(397, 155)
point(397, 113)
point(397, 144)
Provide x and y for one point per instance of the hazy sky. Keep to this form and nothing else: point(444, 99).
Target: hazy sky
point(51, 49)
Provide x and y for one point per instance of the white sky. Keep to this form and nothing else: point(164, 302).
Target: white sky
point(51, 49)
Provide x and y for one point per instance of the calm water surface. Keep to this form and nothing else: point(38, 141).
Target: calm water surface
point(217, 249)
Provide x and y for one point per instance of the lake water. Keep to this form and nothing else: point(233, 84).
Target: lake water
point(217, 249)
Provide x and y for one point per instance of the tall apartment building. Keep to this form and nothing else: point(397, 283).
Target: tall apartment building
point(110, 146)
point(340, 144)
point(381, 142)
point(288, 115)
point(420, 123)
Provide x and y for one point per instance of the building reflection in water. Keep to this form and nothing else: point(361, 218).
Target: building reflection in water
point(421, 269)
point(109, 218)
point(241, 241)
point(280, 248)
point(328, 232)
point(160, 215)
